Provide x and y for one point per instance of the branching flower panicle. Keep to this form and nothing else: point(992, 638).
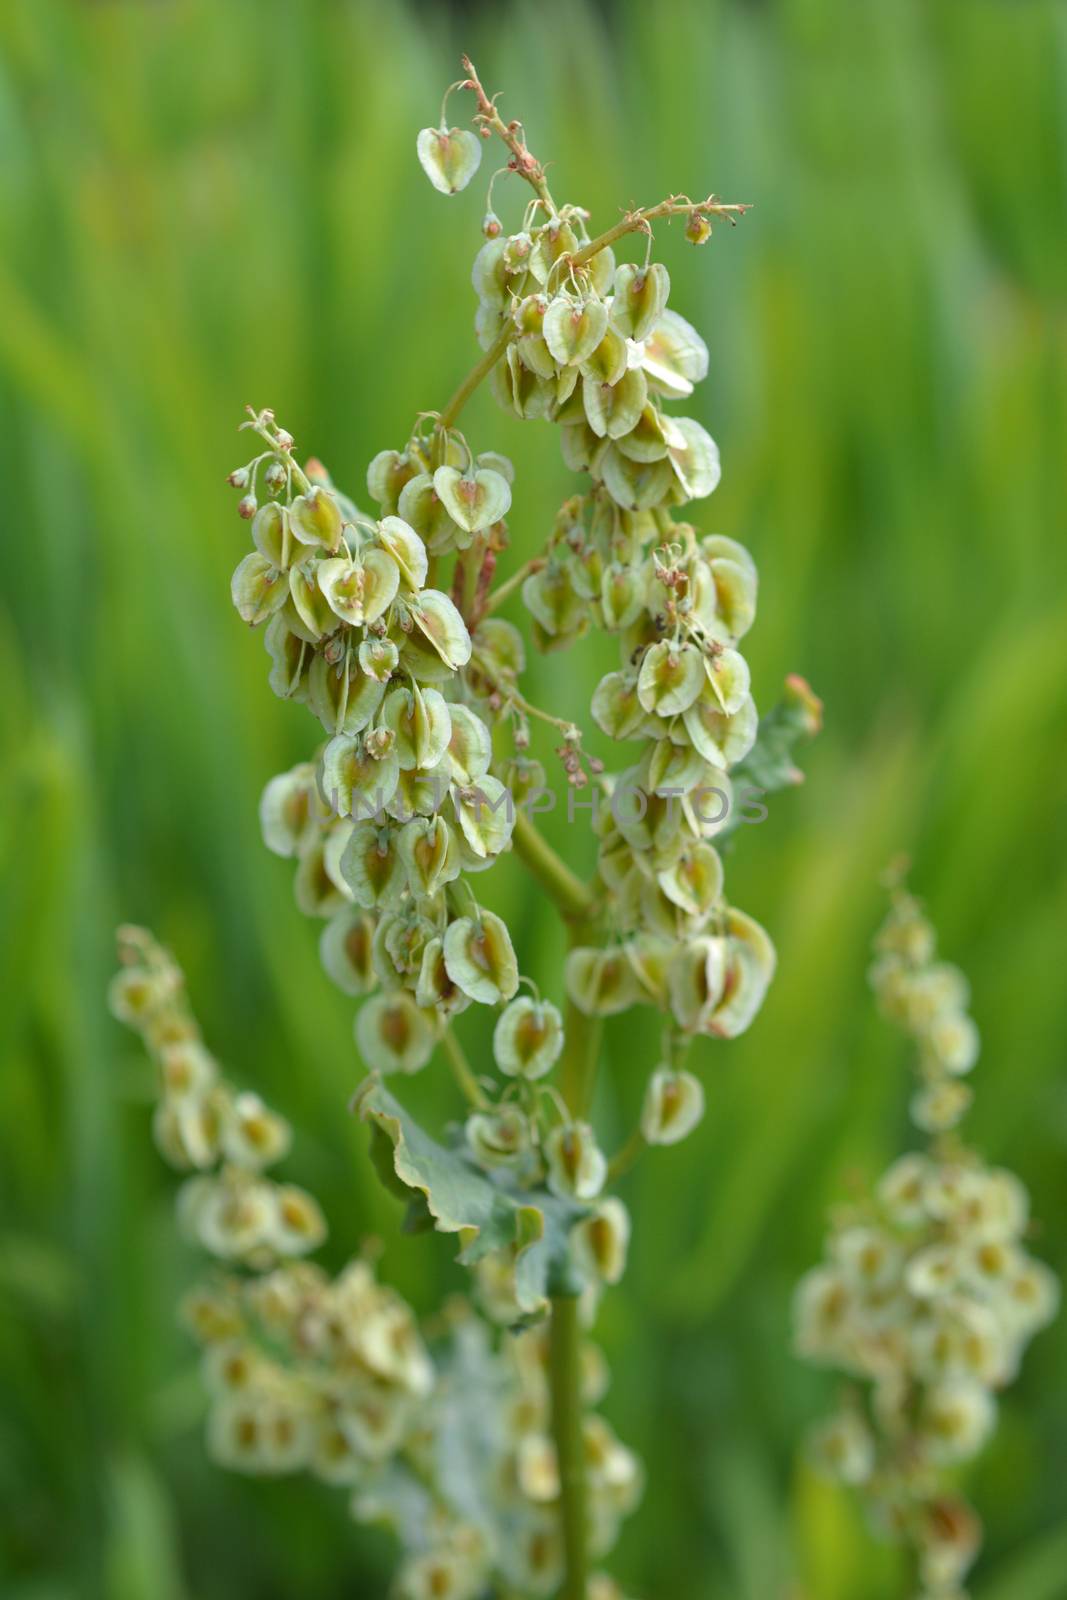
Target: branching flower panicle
point(927, 1297)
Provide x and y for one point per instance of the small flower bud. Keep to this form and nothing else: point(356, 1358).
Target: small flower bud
point(491, 225)
point(576, 1166)
point(247, 507)
point(275, 477)
point(238, 479)
point(698, 228)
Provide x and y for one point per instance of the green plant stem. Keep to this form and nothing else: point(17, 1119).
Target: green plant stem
point(504, 590)
point(565, 1383)
point(462, 1071)
point(574, 899)
point(474, 377)
point(638, 222)
point(625, 1157)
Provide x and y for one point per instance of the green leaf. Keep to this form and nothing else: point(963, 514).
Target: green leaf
point(533, 1228)
point(770, 764)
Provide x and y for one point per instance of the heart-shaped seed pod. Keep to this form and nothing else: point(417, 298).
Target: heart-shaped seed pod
point(474, 500)
point(338, 832)
point(528, 1038)
point(441, 624)
point(434, 990)
point(392, 1034)
point(470, 746)
point(750, 963)
point(549, 596)
point(646, 440)
point(725, 601)
point(650, 955)
point(501, 643)
point(640, 297)
point(729, 679)
point(600, 982)
point(342, 697)
point(697, 979)
point(490, 275)
point(297, 1227)
point(535, 354)
point(615, 410)
point(311, 605)
point(554, 240)
point(420, 794)
point(290, 659)
point(387, 474)
point(421, 506)
point(671, 678)
point(289, 811)
point(723, 740)
point(695, 461)
point(361, 589)
point(674, 1104)
point(635, 485)
point(674, 769)
point(420, 722)
point(428, 851)
point(378, 659)
point(314, 890)
point(616, 709)
point(251, 1135)
point(577, 1166)
point(600, 1242)
point(498, 1138)
point(400, 541)
point(485, 812)
point(449, 157)
point(354, 782)
point(574, 328)
point(258, 589)
point(693, 882)
point(372, 866)
point(622, 596)
point(516, 387)
point(608, 362)
point(345, 949)
point(480, 958)
point(269, 528)
point(315, 518)
point(707, 809)
point(674, 357)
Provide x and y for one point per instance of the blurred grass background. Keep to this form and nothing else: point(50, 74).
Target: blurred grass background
point(205, 204)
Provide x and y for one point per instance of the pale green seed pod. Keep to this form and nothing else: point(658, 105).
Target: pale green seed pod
point(234, 1220)
point(528, 1038)
point(353, 782)
point(470, 747)
point(253, 1136)
point(420, 794)
point(434, 989)
point(403, 545)
point(870, 1258)
point(428, 515)
point(640, 298)
point(289, 811)
point(378, 659)
point(269, 528)
point(697, 980)
point(600, 982)
point(616, 708)
point(722, 739)
point(186, 1069)
point(843, 1448)
point(550, 597)
point(750, 963)
point(607, 363)
point(675, 769)
point(636, 486)
point(551, 242)
point(235, 1434)
point(420, 721)
point(392, 1033)
point(476, 500)
point(695, 459)
point(939, 1106)
point(622, 596)
point(387, 474)
point(671, 678)
point(361, 588)
point(441, 624)
point(428, 852)
point(952, 1042)
point(290, 659)
point(315, 518)
point(614, 410)
point(372, 865)
point(901, 1190)
point(317, 618)
point(674, 357)
point(574, 328)
point(673, 1105)
point(449, 157)
point(342, 696)
point(374, 1420)
point(258, 589)
point(957, 1418)
point(694, 880)
point(315, 890)
point(577, 1166)
point(485, 812)
point(480, 959)
point(490, 274)
point(499, 1138)
point(602, 1240)
point(332, 1458)
point(298, 1225)
point(345, 948)
point(135, 992)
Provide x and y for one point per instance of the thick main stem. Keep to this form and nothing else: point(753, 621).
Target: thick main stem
point(565, 1382)
point(574, 899)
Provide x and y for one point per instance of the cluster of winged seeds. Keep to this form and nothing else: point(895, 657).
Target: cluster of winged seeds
point(927, 1297)
point(331, 1374)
